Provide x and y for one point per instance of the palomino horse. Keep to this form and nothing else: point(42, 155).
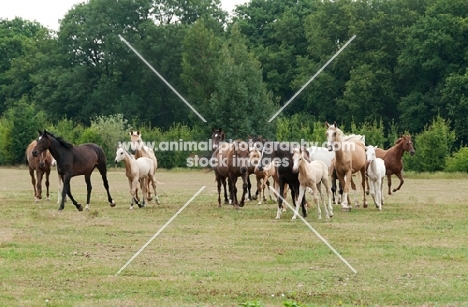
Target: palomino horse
point(311, 175)
point(392, 158)
point(350, 157)
point(41, 165)
point(136, 170)
point(231, 161)
point(138, 146)
point(280, 153)
point(375, 175)
point(263, 176)
point(74, 161)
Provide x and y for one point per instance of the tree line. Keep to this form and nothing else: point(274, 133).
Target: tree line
point(405, 72)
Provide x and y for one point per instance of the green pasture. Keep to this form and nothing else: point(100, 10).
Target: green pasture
point(413, 253)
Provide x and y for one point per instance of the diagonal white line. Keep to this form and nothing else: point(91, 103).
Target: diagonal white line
point(160, 230)
point(311, 79)
point(162, 78)
point(313, 230)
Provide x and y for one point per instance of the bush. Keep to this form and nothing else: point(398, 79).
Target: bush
point(458, 162)
point(432, 146)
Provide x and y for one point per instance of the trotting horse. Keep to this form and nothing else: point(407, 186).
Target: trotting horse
point(138, 146)
point(230, 160)
point(41, 165)
point(137, 170)
point(217, 138)
point(375, 175)
point(350, 157)
point(392, 158)
point(280, 153)
point(74, 161)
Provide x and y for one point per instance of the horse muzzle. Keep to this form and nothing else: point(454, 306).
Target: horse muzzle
point(243, 170)
point(412, 152)
point(35, 153)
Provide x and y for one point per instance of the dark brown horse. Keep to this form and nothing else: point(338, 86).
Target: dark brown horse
point(74, 161)
point(392, 158)
point(217, 138)
point(230, 161)
point(40, 165)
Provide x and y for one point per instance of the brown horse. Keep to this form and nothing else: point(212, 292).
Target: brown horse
point(74, 161)
point(230, 161)
point(350, 157)
point(141, 150)
point(41, 165)
point(392, 158)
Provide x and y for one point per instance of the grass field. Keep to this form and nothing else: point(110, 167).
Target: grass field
point(413, 253)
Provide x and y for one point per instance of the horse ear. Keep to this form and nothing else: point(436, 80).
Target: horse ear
point(212, 129)
point(138, 132)
point(40, 132)
point(334, 124)
point(220, 129)
point(327, 124)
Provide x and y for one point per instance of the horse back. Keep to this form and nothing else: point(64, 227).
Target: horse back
point(86, 157)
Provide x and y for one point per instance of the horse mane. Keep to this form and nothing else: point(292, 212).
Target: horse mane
point(61, 140)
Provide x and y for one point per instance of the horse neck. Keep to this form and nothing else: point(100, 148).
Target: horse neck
point(397, 150)
point(128, 162)
point(339, 152)
point(56, 150)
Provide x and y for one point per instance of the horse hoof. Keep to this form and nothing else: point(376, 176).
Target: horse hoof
point(365, 206)
point(149, 198)
point(112, 204)
point(346, 209)
point(79, 207)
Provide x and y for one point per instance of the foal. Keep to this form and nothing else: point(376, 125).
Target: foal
point(312, 175)
point(137, 170)
point(41, 165)
point(375, 174)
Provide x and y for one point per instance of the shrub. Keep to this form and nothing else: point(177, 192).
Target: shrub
point(458, 162)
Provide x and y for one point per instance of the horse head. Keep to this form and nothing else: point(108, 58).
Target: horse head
point(136, 143)
point(408, 144)
point(217, 137)
point(43, 143)
point(333, 134)
point(297, 157)
point(370, 153)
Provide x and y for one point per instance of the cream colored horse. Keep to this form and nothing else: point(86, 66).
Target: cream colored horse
point(263, 176)
point(141, 150)
point(137, 170)
point(350, 157)
point(311, 175)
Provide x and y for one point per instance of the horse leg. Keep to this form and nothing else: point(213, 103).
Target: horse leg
point(345, 181)
point(233, 188)
point(245, 188)
point(363, 183)
point(260, 190)
point(329, 210)
point(153, 183)
point(39, 174)
point(280, 199)
point(378, 193)
point(302, 189)
point(144, 192)
point(226, 199)
point(249, 186)
point(333, 185)
point(389, 177)
point(400, 176)
point(47, 183)
point(33, 181)
point(89, 187)
point(67, 191)
point(268, 187)
point(103, 170)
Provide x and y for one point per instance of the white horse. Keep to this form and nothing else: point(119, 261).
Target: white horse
point(312, 175)
point(141, 150)
point(375, 174)
point(137, 170)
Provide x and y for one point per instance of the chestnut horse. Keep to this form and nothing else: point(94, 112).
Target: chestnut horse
point(392, 158)
point(230, 160)
point(41, 165)
point(350, 157)
point(138, 146)
point(74, 161)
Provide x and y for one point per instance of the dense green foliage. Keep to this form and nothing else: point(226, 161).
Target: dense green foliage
point(405, 71)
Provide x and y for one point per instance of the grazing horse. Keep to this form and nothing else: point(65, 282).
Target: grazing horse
point(231, 161)
point(74, 161)
point(280, 154)
point(263, 176)
point(392, 158)
point(350, 157)
point(311, 175)
point(138, 146)
point(41, 165)
point(375, 175)
point(137, 170)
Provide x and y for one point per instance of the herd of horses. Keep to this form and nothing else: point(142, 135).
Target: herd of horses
point(292, 169)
